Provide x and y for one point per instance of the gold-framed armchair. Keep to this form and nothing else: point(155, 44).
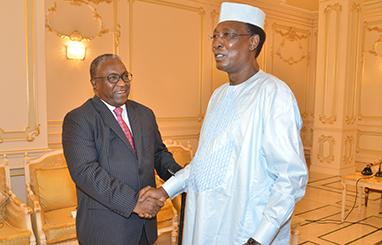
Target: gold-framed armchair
point(168, 216)
point(52, 195)
point(15, 216)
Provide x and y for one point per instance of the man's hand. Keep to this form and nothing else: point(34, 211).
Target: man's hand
point(159, 194)
point(149, 203)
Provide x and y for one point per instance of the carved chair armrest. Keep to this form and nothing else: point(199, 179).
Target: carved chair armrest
point(38, 217)
point(32, 200)
point(17, 213)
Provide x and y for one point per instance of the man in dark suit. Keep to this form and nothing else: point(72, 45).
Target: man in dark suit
point(112, 146)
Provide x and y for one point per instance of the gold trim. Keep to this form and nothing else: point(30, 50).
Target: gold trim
point(117, 29)
point(367, 133)
point(331, 142)
point(202, 13)
point(333, 7)
point(323, 117)
point(32, 129)
point(348, 154)
point(327, 119)
point(289, 33)
point(76, 34)
point(356, 7)
point(353, 72)
point(373, 50)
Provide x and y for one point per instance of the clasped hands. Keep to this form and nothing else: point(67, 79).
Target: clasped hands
point(150, 201)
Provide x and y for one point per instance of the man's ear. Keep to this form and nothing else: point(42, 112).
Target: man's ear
point(94, 85)
point(254, 42)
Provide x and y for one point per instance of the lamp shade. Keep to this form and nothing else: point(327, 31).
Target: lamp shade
point(75, 50)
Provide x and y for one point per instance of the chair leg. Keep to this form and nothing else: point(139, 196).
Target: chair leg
point(366, 196)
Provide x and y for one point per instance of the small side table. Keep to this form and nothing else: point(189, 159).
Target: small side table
point(363, 182)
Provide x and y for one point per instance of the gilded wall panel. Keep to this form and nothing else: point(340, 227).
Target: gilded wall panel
point(20, 119)
point(326, 149)
point(348, 156)
point(369, 142)
point(370, 85)
point(330, 42)
point(354, 56)
point(290, 59)
point(167, 58)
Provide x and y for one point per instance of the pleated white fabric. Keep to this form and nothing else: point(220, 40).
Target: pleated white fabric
point(249, 169)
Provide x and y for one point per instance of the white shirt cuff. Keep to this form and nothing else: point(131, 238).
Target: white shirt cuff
point(176, 184)
point(266, 232)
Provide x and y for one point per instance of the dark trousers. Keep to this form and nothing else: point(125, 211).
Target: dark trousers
point(143, 240)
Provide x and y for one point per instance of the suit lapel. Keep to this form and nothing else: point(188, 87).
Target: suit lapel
point(135, 127)
point(110, 120)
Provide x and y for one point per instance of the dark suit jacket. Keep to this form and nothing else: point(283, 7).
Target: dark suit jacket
point(108, 174)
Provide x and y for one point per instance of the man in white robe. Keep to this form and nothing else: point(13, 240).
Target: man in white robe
point(249, 169)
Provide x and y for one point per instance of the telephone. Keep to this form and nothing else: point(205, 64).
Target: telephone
point(367, 171)
point(379, 172)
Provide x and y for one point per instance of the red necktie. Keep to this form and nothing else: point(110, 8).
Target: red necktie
point(125, 128)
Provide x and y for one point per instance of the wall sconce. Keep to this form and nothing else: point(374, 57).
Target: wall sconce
point(75, 50)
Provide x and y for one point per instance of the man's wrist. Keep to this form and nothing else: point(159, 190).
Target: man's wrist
point(164, 193)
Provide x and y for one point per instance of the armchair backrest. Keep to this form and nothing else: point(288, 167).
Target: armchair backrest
point(49, 179)
point(182, 154)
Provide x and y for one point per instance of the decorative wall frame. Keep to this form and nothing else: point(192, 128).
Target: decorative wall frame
point(376, 49)
point(348, 150)
point(291, 34)
point(32, 130)
point(90, 14)
point(329, 117)
point(327, 142)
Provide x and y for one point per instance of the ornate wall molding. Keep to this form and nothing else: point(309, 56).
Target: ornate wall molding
point(348, 152)
point(330, 60)
point(336, 7)
point(117, 28)
point(326, 149)
point(352, 74)
point(362, 133)
point(32, 129)
point(293, 35)
point(376, 49)
point(90, 12)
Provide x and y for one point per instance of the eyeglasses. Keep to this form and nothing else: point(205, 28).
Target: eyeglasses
point(228, 36)
point(115, 77)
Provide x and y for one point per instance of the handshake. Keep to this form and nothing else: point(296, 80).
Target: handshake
point(150, 201)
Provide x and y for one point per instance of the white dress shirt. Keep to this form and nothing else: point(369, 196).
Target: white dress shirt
point(125, 117)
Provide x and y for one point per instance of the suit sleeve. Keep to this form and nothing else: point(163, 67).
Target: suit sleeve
point(82, 155)
point(283, 150)
point(164, 162)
